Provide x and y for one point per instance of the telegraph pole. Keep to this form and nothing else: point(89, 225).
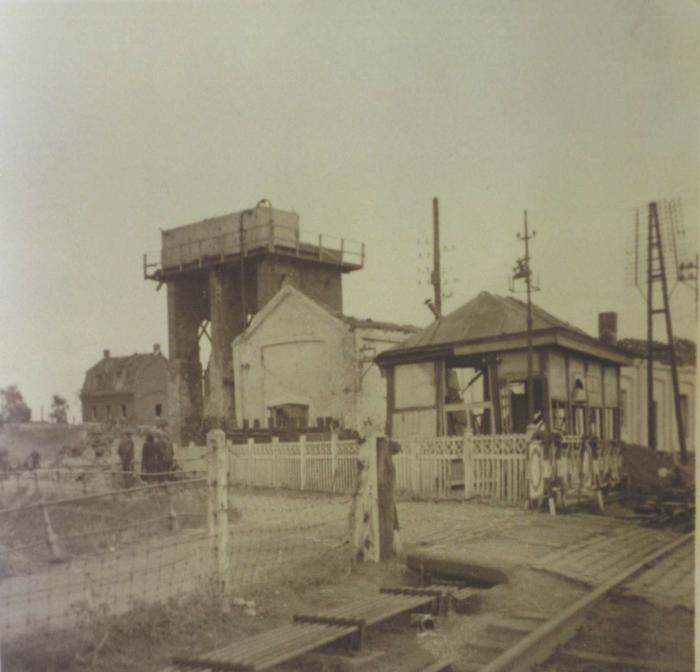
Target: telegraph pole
point(528, 284)
point(651, 419)
point(522, 271)
point(436, 275)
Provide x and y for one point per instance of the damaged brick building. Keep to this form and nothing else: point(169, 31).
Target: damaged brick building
point(130, 389)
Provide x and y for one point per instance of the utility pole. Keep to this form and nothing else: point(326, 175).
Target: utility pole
point(522, 271)
point(651, 419)
point(658, 273)
point(436, 275)
point(688, 274)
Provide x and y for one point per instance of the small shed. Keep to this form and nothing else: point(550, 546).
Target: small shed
point(468, 371)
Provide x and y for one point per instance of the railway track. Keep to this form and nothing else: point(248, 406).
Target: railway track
point(535, 638)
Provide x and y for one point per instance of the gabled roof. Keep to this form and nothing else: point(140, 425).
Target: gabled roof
point(117, 375)
point(493, 321)
point(288, 290)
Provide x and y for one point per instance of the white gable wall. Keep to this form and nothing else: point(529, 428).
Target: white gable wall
point(298, 353)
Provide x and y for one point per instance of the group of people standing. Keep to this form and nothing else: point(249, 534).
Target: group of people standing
point(157, 458)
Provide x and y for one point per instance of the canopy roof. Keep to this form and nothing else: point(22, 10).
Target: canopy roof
point(491, 323)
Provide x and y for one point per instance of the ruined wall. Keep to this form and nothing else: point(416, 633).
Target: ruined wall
point(151, 390)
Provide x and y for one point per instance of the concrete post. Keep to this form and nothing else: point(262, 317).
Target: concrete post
point(218, 507)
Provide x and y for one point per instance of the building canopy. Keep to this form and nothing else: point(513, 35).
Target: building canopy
point(491, 323)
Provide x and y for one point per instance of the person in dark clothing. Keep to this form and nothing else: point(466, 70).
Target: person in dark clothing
point(126, 457)
point(167, 457)
point(150, 459)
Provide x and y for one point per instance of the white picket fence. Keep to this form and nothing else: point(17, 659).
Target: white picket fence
point(450, 467)
point(463, 466)
point(322, 466)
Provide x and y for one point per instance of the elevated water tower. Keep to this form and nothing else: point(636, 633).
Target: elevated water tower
point(218, 273)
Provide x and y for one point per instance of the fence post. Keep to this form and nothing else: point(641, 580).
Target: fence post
point(275, 453)
point(302, 462)
point(365, 508)
point(232, 462)
point(468, 466)
point(334, 460)
point(218, 507)
point(51, 537)
point(173, 521)
point(414, 458)
point(251, 472)
point(387, 523)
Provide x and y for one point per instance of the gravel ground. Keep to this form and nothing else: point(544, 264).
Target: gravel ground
point(149, 638)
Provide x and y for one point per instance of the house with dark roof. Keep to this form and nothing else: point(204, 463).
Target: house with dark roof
point(300, 364)
point(468, 371)
point(131, 389)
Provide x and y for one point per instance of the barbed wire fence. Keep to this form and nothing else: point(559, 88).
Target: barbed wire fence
point(79, 542)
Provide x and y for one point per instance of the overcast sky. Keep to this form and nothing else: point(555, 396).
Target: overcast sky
point(117, 119)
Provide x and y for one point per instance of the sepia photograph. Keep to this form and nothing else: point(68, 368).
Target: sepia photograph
point(348, 336)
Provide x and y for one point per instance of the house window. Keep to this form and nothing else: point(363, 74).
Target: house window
point(623, 409)
point(159, 410)
point(94, 412)
point(109, 411)
point(123, 410)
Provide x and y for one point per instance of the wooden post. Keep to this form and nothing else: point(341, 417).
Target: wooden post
point(251, 471)
point(211, 489)
point(334, 460)
point(275, 452)
point(51, 537)
point(302, 462)
point(386, 507)
point(414, 465)
point(373, 497)
point(468, 467)
point(173, 521)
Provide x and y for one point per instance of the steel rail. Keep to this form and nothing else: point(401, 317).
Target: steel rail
point(541, 643)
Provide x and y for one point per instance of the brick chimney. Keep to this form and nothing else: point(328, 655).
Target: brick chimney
point(607, 328)
point(156, 348)
point(105, 354)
